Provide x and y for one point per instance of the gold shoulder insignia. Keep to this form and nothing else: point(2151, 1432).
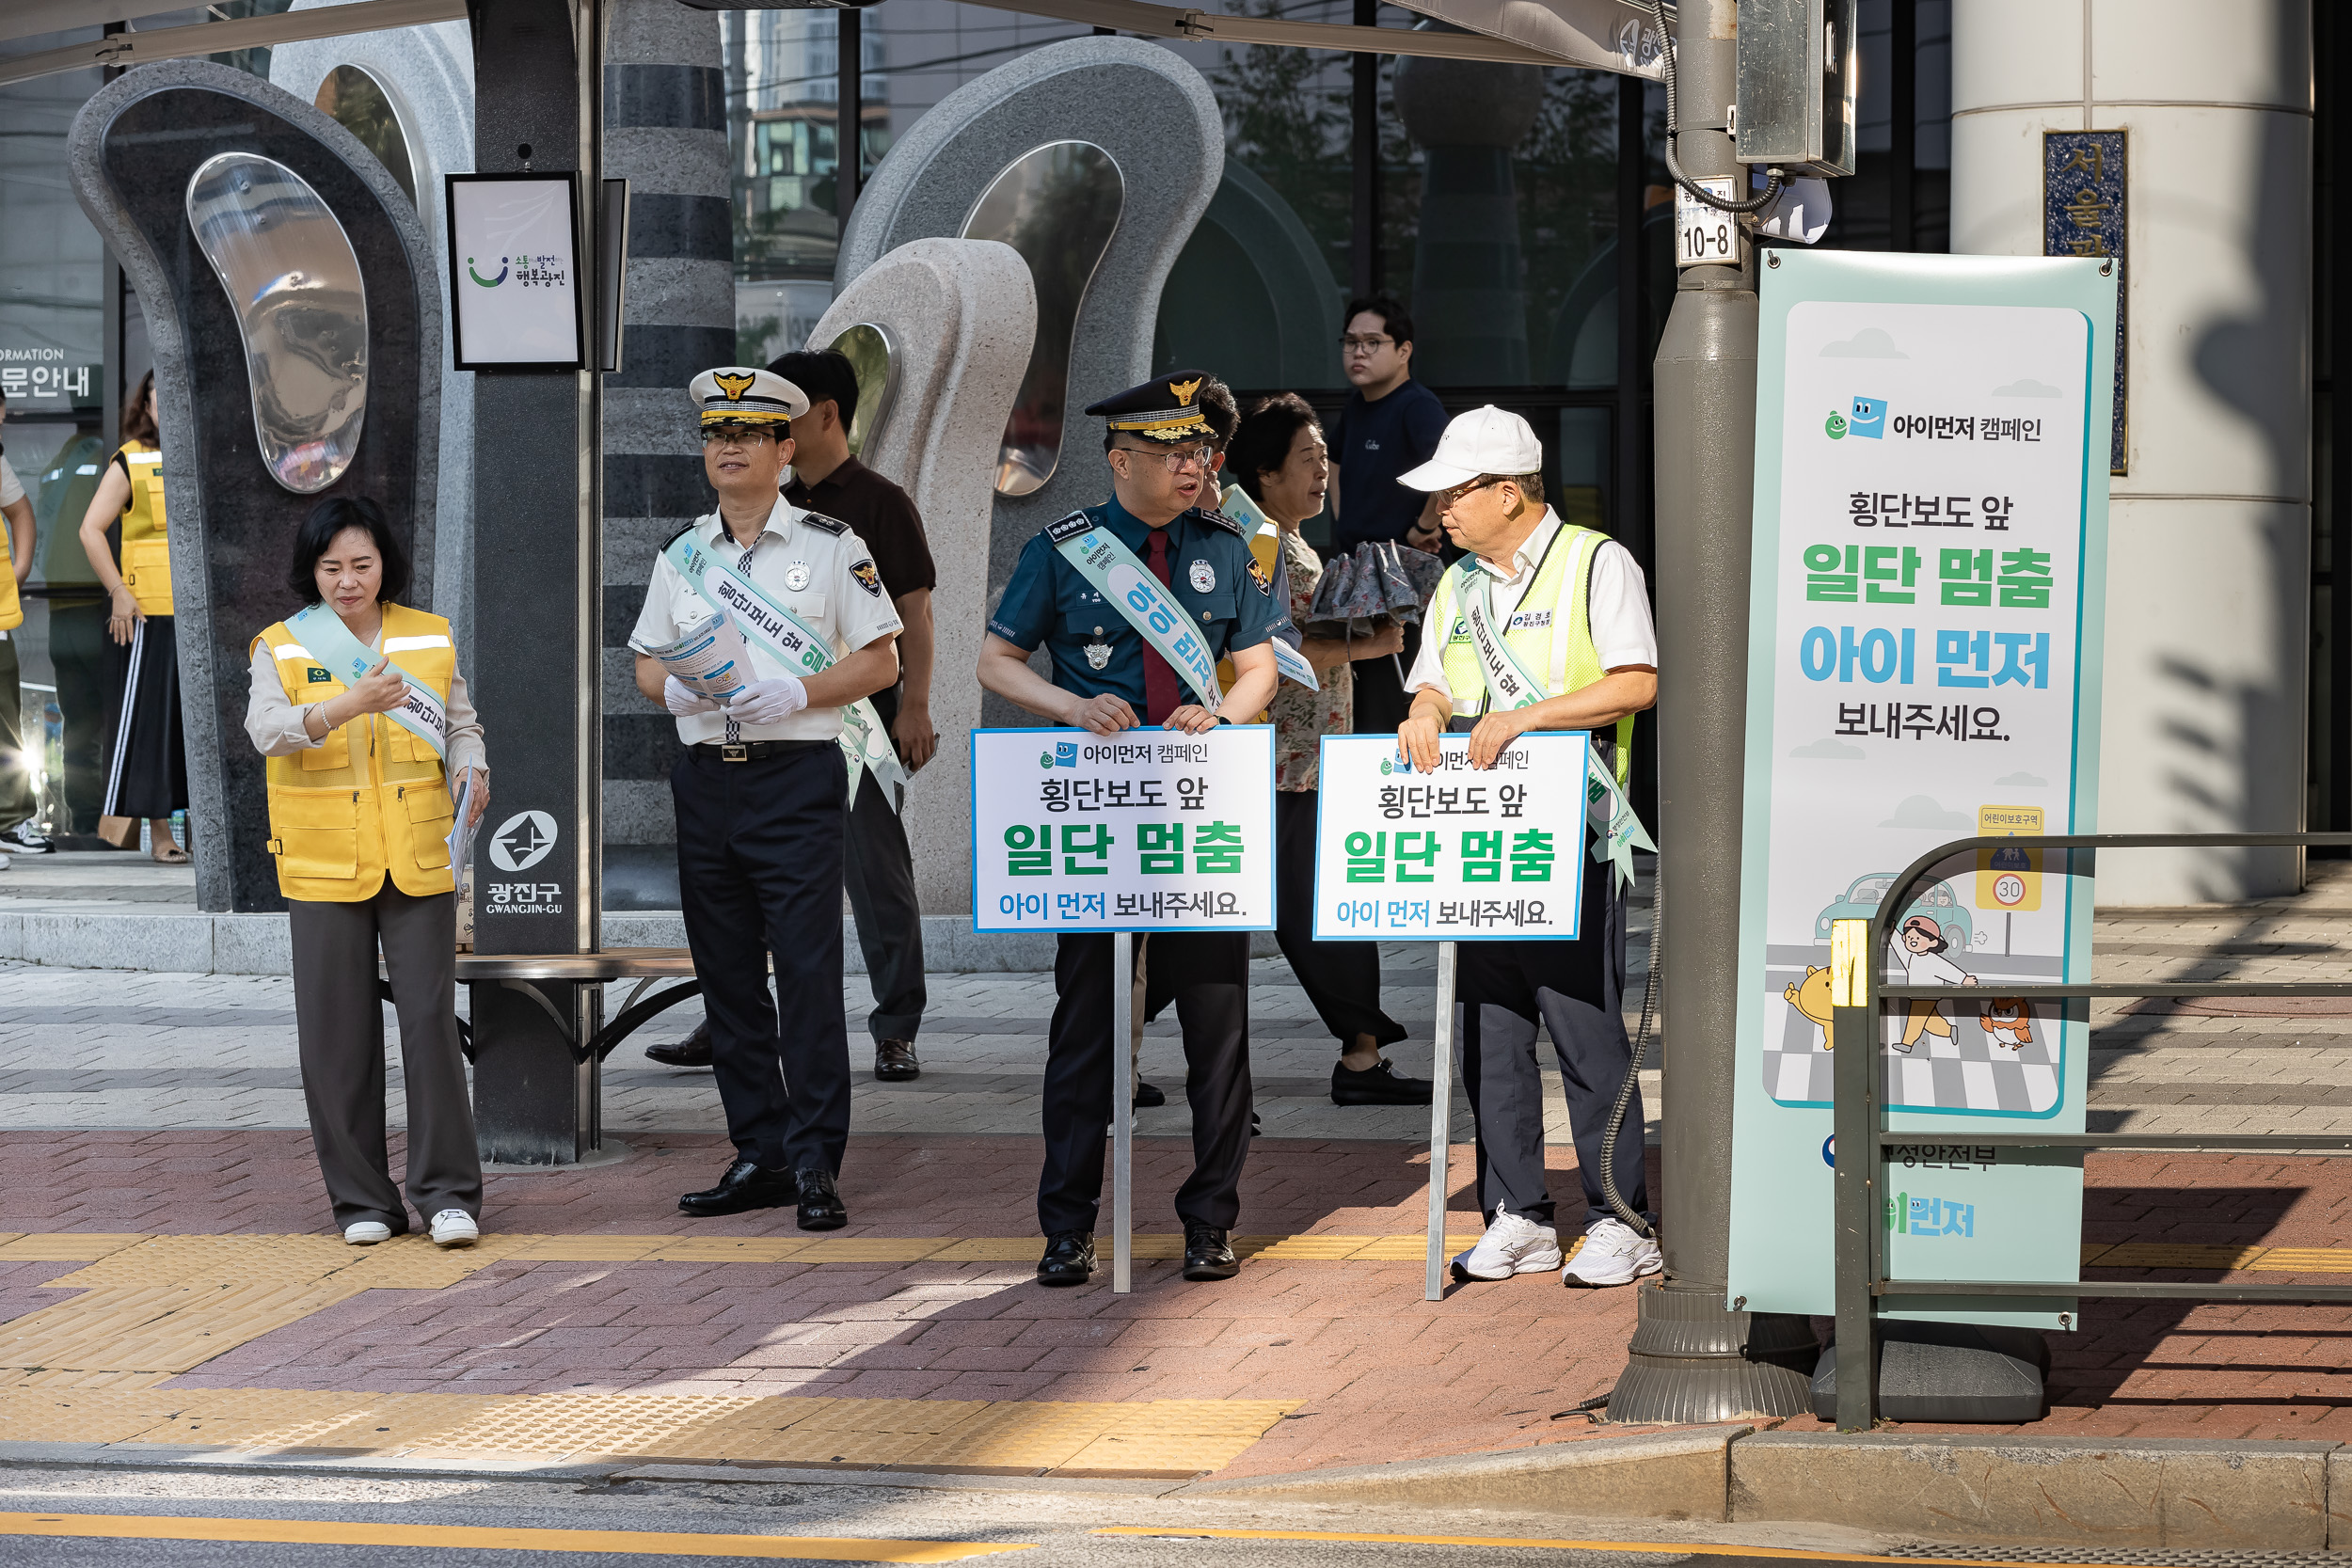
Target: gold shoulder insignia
point(733, 385)
point(1183, 391)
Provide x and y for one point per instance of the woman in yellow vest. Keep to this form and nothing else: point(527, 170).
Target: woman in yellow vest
point(359, 818)
point(147, 761)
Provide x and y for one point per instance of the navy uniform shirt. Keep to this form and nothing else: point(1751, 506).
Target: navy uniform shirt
point(1212, 576)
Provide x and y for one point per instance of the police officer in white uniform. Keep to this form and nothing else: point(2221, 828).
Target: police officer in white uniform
point(1570, 604)
point(759, 795)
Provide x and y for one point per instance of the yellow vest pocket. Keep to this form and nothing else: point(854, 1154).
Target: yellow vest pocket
point(318, 833)
point(334, 751)
point(147, 572)
point(429, 814)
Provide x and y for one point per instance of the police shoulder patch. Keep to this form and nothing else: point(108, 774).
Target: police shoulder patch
point(1231, 526)
point(1258, 574)
point(867, 578)
point(828, 525)
point(1070, 527)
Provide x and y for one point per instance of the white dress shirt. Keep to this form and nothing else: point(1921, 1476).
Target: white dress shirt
point(810, 567)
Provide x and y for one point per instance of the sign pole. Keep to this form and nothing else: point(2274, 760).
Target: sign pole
point(1440, 1123)
point(1122, 1111)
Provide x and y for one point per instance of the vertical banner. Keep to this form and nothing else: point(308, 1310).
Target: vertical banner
point(1463, 854)
point(1144, 831)
point(1925, 622)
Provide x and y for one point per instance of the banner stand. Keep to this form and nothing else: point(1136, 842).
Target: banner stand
point(1122, 1111)
point(1440, 1123)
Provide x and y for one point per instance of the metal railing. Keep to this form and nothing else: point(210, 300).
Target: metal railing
point(1857, 949)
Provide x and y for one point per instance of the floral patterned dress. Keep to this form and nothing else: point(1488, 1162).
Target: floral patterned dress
point(1303, 717)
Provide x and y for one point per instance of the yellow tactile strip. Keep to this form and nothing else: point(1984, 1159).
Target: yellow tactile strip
point(1155, 1437)
point(2255, 1260)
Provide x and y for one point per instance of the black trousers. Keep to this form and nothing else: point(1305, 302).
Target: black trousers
point(147, 757)
point(879, 869)
point(1575, 989)
point(89, 692)
point(1340, 978)
point(1209, 973)
point(759, 872)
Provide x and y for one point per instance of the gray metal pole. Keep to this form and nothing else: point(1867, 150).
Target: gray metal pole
point(1440, 1122)
point(1693, 1357)
point(1123, 1113)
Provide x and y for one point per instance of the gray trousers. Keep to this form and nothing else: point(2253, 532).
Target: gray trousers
point(877, 870)
point(340, 1021)
point(1574, 989)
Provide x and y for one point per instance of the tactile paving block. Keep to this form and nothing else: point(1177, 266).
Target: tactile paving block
point(2167, 1254)
point(558, 1424)
point(64, 1248)
point(992, 1249)
point(2311, 1259)
point(732, 1249)
point(872, 1249)
point(249, 1418)
point(817, 1413)
point(589, 1249)
point(47, 1415)
point(167, 1328)
point(404, 1262)
point(1406, 1249)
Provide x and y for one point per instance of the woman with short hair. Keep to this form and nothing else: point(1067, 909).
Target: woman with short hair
point(359, 708)
point(1278, 459)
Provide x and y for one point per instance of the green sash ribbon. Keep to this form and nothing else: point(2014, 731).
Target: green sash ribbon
point(802, 651)
point(1616, 831)
point(1141, 599)
point(323, 634)
point(1237, 505)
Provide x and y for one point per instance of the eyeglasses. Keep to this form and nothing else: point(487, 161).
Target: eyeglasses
point(1179, 459)
point(1447, 497)
point(737, 436)
point(1364, 345)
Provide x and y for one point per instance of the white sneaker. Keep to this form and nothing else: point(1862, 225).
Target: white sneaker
point(454, 1227)
point(1512, 1245)
point(367, 1232)
point(1611, 1255)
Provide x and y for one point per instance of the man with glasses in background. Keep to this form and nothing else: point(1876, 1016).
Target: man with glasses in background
point(1392, 424)
point(761, 789)
point(1106, 679)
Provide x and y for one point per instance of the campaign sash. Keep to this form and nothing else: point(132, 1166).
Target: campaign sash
point(1141, 599)
point(1237, 505)
point(799, 647)
point(1616, 831)
point(322, 631)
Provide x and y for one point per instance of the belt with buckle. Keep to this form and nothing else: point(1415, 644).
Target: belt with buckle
point(754, 750)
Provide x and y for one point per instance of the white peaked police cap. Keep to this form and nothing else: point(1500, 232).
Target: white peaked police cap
point(1486, 440)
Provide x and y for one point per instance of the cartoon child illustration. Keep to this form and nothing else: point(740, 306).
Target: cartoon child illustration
point(1923, 940)
point(2007, 1019)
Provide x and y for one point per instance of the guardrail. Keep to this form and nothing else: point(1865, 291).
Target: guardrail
point(1857, 950)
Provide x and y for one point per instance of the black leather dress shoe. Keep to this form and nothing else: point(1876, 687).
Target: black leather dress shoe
point(1377, 1084)
point(821, 1208)
point(895, 1061)
point(694, 1051)
point(1208, 1255)
point(744, 1186)
point(1149, 1095)
point(1069, 1259)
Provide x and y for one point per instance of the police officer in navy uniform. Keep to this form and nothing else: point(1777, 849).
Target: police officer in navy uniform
point(760, 790)
point(1106, 679)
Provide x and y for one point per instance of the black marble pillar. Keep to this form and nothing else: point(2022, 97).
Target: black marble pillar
point(130, 152)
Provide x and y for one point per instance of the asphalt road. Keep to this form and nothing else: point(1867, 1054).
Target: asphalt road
point(56, 1518)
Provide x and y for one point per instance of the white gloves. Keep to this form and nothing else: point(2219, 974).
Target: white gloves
point(681, 699)
point(769, 702)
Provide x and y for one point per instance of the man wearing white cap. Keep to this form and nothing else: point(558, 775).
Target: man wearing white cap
point(761, 789)
point(1544, 625)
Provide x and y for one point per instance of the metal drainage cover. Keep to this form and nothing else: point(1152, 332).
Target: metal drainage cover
point(2121, 1557)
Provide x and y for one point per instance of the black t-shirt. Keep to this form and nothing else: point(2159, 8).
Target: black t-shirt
point(1374, 442)
point(879, 514)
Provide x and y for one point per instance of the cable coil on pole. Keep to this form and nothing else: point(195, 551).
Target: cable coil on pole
point(1773, 178)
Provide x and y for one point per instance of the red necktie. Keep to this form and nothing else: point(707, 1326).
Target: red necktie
point(1163, 693)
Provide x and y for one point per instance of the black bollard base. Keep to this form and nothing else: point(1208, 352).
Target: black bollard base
point(1692, 1360)
point(1964, 1373)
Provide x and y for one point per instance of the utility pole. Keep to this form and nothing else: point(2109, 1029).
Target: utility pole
point(1692, 1358)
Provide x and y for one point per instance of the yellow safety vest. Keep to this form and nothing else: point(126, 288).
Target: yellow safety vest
point(1550, 631)
point(12, 613)
point(371, 797)
point(145, 547)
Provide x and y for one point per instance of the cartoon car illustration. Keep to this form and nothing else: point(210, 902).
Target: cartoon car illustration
point(1938, 902)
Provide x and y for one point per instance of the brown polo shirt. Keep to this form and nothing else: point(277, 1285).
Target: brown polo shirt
point(879, 514)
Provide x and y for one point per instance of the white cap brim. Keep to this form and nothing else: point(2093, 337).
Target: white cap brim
point(1436, 476)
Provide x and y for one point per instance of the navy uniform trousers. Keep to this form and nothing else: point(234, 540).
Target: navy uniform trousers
point(1209, 973)
point(759, 872)
point(1575, 989)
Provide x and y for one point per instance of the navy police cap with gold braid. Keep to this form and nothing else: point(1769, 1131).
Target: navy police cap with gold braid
point(1162, 409)
point(737, 394)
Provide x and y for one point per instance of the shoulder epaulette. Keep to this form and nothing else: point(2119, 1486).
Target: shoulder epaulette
point(1231, 525)
point(1070, 527)
point(830, 524)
